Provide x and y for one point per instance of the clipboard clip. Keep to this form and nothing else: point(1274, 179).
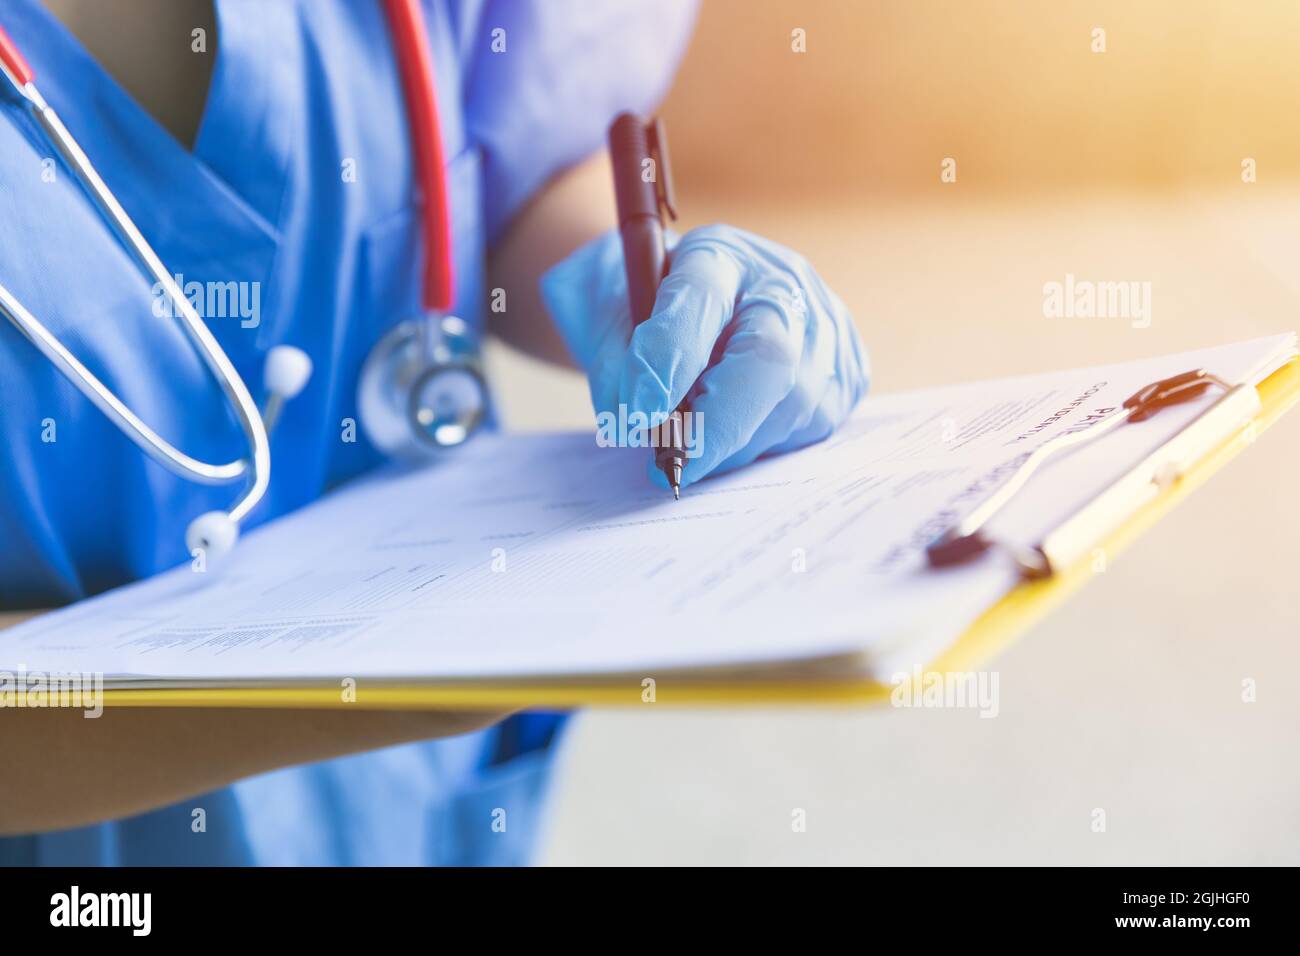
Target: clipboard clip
point(1174, 390)
point(966, 540)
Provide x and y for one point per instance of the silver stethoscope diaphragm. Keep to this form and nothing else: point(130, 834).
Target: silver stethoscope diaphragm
point(422, 389)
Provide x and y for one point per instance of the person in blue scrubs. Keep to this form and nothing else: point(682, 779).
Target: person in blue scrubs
point(295, 180)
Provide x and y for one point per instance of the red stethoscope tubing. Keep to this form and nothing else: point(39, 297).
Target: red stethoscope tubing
point(13, 60)
point(415, 63)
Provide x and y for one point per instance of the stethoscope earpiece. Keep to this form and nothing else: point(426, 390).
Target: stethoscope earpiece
point(212, 535)
point(285, 375)
point(287, 371)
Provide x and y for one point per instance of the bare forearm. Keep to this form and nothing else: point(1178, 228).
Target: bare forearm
point(570, 210)
point(67, 770)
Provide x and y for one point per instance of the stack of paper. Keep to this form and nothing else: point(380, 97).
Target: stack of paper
point(548, 558)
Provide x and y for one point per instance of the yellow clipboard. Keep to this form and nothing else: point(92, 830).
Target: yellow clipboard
point(990, 633)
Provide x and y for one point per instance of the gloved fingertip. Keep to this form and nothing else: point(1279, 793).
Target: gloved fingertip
point(697, 469)
point(641, 390)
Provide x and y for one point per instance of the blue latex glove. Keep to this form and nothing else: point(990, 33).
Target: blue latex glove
point(768, 354)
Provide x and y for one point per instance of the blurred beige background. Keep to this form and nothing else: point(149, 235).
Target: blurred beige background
point(1123, 165)
point(1010, 88)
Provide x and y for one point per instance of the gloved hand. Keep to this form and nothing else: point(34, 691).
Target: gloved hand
point(774, 351)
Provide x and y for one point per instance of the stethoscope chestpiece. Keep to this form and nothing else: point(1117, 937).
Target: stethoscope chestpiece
point(422, 389)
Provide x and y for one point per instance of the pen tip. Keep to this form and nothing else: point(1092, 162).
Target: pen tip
point(674, 476)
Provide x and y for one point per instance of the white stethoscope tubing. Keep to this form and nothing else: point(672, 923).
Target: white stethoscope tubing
point(408, 402)
point(258, 465)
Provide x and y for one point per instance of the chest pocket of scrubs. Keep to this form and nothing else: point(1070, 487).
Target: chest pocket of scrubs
point(393, 255)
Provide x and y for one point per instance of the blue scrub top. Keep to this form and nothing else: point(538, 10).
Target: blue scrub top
point(300, 189)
